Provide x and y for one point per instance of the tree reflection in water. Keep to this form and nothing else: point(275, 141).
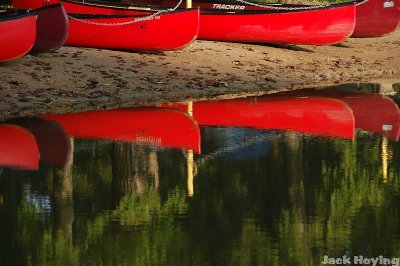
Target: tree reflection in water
point(119, 203)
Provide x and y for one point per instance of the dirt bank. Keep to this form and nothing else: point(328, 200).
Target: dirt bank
point(78, 79)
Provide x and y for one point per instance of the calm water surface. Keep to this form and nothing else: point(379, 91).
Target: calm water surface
point(232, 186)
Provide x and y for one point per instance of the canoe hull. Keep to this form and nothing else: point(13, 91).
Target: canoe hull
point(18, 34)
point(52, 28)
point(144, 35)
point(319, 26)
point(376, 18)
point(315, 27)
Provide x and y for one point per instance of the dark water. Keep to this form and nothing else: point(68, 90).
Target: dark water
point(253, 195)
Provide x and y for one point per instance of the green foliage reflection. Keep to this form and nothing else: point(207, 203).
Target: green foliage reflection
point(304, 198)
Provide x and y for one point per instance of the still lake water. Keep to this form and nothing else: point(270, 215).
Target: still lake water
point(276, 180)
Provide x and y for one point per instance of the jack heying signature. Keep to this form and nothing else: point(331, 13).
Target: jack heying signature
point(360, 260)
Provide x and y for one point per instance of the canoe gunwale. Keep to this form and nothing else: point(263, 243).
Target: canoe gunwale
point(296, 8)
point(149, 8)
point(15, 15)
point(12, 12)
point(47, 7)
point(116, 16)
point(267, 12)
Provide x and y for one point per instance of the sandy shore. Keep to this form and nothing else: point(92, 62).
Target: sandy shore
point(78, 79)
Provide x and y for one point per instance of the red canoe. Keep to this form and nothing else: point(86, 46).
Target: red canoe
point(313, 115)
point(167, 31)
point(159, 32)
point(320, 26)
point(155, 126)
point(53, 141)
point(18, 34)
point(372, 112)
point(52, 28)
point(311, 25)
point(18, 148)
point(376, 18)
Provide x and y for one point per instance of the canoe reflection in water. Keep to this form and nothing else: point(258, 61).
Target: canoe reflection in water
point(312, 115)
point(52, 139)
point(171, 128)
point(18, 148)
point(244, 128)
point(135, 168)
point(158, 127)
point(244, 125)
point(271, 198)
point(372, 112)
